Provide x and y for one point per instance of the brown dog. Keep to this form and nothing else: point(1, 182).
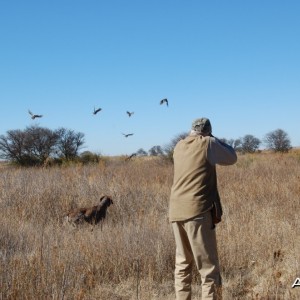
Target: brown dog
point(92, 215)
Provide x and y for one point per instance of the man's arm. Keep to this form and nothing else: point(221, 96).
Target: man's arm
point(220, 153)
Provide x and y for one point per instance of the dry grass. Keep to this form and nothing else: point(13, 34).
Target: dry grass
point(132, 257)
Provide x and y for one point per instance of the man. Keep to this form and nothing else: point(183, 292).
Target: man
point(195, 208)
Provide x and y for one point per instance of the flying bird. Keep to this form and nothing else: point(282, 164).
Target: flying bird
point(96, 110)
point(33, 116)
point(127, 135)
point(164, 101)
point(129, 113)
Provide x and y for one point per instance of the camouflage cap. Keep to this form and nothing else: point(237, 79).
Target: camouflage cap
point(202, 125)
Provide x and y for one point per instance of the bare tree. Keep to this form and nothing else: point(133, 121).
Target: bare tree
point(155, 151)
point(141, 152)
point(31, 146)
point(34, 145)
point(169, 148)
point(228, 142)
point(250, 144)
point(69, 143)
point(12, 146)
point(236, 144)
point(40, 143)
point(278, 141)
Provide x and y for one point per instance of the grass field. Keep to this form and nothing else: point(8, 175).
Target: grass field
point(132, 255)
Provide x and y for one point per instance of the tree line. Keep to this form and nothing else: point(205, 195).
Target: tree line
point(276, 141)
point(36, 146)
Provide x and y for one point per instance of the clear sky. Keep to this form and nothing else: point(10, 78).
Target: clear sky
point(235, 62)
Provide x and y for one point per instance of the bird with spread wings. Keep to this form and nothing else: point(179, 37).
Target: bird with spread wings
point(33, 116)
point(129, 113)
point(127, 134)
point(96, 110)
point(164, 101)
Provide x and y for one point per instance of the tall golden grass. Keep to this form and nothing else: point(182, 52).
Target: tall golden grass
point(132, 256)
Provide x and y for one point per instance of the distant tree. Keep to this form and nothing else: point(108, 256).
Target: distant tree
point(229, 142)
point(35, 145)
point(278, 141)
point(224, 140)
point(141, 152)
point(87, 157)
point(40, 143)
point(69, 143)
point(169, 148)
point(31, 146)
point(236, 144)
point(249, 144)
point(155, 151)
point(12, 146)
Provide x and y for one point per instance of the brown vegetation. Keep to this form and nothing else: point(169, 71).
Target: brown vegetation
point(133, 256)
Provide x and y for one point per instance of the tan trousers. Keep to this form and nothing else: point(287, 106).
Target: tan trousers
point(196, 242)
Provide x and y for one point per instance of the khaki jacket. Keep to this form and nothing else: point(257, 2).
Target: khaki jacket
point(194, 190)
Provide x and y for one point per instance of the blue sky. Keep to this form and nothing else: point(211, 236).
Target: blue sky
point(235, 62)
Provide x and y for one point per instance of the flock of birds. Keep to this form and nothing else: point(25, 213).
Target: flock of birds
point(34, 116)
point(96, 110)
